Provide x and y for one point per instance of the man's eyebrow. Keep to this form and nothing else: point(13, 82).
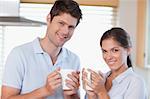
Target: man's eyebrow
point(72, 26)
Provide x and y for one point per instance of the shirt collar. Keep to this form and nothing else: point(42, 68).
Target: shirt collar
point(38, 49)
point(123, 75)
point(63, 53)
point(36, 46)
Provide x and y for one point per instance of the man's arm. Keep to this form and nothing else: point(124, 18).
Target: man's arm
point(13, 93)
point(52, 83)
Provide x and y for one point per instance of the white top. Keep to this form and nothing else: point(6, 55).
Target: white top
point(127, 85)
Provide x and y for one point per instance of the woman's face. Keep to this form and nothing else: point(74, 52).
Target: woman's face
point(114, 55)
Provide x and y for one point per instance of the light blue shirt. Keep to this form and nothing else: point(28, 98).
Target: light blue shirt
point(128, 85)
point(28, 66)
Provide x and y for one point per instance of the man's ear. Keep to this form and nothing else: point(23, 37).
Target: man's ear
point(48, 19)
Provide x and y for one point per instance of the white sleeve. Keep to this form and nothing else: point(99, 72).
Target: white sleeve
point(13, 70)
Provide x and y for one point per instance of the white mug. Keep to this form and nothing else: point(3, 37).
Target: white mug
point(64, 73)
point(89, 79)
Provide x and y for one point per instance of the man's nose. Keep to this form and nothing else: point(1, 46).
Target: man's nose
point(65, 29)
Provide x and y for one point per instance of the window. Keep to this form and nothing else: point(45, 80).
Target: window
point(1, 51)
point(85, 41)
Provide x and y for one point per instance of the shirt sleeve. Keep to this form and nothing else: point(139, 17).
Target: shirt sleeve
point(13, 71)
point(136, 90)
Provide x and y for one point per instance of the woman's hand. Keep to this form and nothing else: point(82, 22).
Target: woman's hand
point(84, 78)
point(85, 82)
point(97, 81)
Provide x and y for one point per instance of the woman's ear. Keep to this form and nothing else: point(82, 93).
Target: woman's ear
point(48, 19)
point(129, 50)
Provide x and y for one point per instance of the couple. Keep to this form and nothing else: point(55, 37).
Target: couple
point(32, 69)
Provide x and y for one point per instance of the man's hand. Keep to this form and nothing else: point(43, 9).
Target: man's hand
point(53, 81)
point(73, 84)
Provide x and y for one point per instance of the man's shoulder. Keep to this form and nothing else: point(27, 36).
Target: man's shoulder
point(26, 47)
point(69, 52)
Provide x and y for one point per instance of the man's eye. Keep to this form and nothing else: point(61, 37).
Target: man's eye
point(71, 27)
point(61, 23)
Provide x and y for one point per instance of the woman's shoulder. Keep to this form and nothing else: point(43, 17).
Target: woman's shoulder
point(135, 78)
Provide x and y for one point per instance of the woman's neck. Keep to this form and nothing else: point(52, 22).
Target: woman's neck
point(115, 73)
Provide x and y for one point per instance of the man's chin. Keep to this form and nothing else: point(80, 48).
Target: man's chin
point(60, 45)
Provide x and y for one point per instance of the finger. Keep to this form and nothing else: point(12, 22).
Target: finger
point(90, 92)
point(84, 75)
point(96, 77)
point(93, 72)
point(55, 83)
point(54, 78)
point(83, 70)
point(89, 84)
point(76, 74)
point(69, 92)
point(58, 81)
point(57, 71)
point(72, 84)
point(74, 77)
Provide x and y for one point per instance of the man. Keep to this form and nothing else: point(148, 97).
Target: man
point(32, 70)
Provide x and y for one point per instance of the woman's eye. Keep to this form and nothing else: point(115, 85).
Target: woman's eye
point(115, 50)
point(103, 51)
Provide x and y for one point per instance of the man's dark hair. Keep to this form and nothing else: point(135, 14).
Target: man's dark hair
point(66, 6)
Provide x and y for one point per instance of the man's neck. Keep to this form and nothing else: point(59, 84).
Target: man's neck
point(49, 48)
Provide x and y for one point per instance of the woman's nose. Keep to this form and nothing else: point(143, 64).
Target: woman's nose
point(109, 55)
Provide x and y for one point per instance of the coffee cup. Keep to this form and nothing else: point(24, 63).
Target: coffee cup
point(64, 74)
point(89, 80)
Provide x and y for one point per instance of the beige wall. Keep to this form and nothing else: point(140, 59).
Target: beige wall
point(113, 3)
point(132, 17)
point(127, 19)
point(141, 32)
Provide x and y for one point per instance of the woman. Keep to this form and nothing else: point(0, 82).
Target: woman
point(122, 82)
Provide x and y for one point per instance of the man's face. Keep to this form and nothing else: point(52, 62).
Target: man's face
point(61, 29)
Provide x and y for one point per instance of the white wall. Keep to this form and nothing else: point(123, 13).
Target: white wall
point(127, 16)
point(127, 19)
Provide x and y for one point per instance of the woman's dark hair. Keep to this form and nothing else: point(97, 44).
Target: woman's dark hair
point(121, 36)
point(66, 6)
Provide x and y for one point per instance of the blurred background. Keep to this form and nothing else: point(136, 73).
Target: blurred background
point(98, 16)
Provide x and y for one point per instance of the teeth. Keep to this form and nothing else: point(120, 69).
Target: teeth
point(111, 62)
point(61, 37)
